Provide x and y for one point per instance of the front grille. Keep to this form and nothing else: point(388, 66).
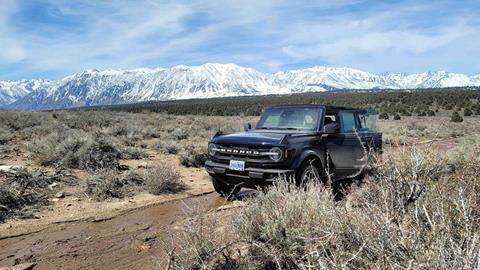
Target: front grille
point(243, 153)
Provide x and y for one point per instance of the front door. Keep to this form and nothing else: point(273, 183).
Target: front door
point(347, 149)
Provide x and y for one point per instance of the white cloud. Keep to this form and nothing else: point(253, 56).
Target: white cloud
point(268, 35)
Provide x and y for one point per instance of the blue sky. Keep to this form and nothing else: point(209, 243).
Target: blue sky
point(54, 38)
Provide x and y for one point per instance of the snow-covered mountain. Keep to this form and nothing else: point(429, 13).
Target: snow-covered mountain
point(93, 87)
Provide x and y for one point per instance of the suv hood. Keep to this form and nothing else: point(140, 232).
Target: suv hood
point(251, 137)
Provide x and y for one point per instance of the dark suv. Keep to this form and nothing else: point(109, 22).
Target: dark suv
point(302, 142)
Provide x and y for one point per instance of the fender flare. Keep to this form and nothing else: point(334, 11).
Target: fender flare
point(306, 153)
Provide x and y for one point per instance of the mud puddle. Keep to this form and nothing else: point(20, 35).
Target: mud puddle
point(132, 240)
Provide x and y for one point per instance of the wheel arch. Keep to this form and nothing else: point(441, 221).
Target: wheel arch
point(309, 154)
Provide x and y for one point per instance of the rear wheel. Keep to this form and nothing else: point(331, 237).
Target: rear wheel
point(225, 190)
point(308, 172)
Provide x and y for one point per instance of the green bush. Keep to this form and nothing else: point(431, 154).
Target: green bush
point(396, 117)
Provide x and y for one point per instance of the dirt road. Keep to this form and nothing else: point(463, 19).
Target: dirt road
point(131, 240)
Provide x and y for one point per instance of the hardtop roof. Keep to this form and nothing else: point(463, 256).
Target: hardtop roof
point(328, 108)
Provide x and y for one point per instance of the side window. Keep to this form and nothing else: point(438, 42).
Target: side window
point(348, 122)
point(368, 121)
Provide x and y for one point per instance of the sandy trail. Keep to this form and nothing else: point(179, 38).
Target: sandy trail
point(132, 240)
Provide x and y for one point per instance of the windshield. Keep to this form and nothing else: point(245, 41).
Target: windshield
point(290, 118)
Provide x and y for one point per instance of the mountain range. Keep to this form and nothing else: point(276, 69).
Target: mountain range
point(93, 87)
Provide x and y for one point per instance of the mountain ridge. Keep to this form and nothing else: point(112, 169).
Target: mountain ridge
point(93, 87)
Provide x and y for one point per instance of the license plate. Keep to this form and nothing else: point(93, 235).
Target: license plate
point(237, 165)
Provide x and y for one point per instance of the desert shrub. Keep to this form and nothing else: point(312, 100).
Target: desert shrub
point(76, 149)
point(163, 179)
point(396, 218)
point(6, 134)
point(413, 211)
point(22, 191)
point(467, 112)
point(169, 146)
point(456, 117)
point(133, 153)
point(193, 157)
point(59, 147)
point(19, 120)
point(97, 153)
point(106, 184)
point(396, 117)
point(203, 244)
point(430, 113)
point(383, 116)
point(179, 134)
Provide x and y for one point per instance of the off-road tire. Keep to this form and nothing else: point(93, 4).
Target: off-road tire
point(225, 190)
point(307, 172)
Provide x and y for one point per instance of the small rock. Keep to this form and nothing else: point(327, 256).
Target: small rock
point(60, 194)
point(52, 185)
point(68, 205)
point(145, 247)
point(75, 199)
point(55, 199)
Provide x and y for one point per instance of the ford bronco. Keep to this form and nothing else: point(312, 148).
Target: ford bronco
point(302, 142)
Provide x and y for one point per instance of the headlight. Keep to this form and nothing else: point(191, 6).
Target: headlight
point(275, 154)
point(212, 149)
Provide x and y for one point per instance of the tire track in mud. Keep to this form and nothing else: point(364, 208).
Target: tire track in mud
point(131, 240)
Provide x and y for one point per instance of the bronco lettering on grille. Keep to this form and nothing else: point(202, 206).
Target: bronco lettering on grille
point(239, 151)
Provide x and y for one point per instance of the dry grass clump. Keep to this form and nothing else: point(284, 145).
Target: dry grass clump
point(200, 243)
point(21, 191)
point(163, 179)
point(106, 184)
point(410, 129)
point(414, 211)
point(193, 157)
point(6, 134)
point(129, 152)
point(75, 148)
point(169, 146)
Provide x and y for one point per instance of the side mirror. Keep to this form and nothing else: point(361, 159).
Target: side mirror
point(247, 126)
point(331, 128)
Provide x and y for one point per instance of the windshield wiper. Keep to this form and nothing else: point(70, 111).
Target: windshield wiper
point(290, 128)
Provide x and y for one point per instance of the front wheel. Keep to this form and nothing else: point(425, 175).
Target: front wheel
point(308, 172)
point(225, 190)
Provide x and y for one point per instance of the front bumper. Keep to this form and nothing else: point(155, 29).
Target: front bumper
point(250, 177)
